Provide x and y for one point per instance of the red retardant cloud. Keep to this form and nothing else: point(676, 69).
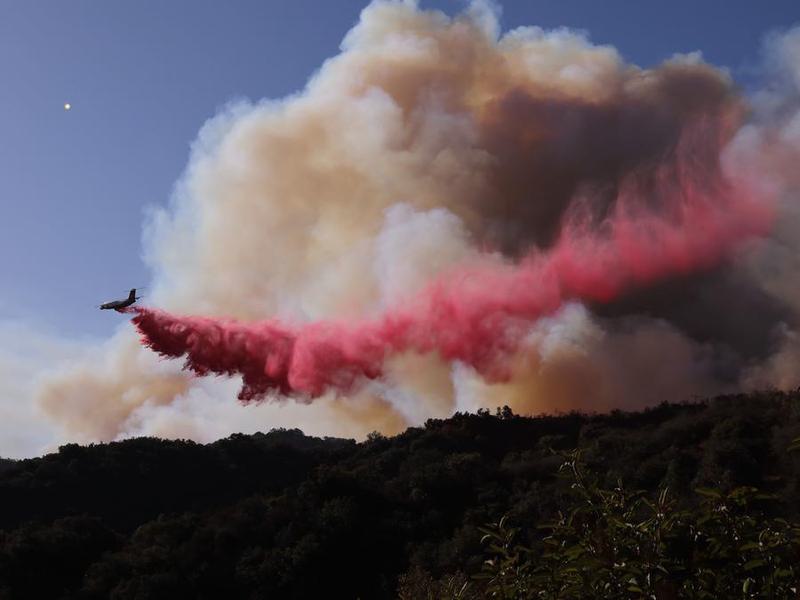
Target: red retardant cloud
point(480, 314)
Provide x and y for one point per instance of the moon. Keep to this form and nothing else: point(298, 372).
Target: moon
point(67, 106)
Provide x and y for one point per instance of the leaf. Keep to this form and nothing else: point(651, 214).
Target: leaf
point(754, 564)
point(708, 493)
point(765, 496)
point(750, 546)
point(746, 585)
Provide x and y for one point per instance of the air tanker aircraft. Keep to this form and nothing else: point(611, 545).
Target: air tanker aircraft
point(118, 305)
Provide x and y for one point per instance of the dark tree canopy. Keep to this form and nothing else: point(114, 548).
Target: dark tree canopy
point(283, 515)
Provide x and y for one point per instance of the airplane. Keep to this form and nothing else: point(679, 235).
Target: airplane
point(120, 305)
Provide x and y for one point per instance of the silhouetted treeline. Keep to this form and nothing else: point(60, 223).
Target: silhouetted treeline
point(282, 515)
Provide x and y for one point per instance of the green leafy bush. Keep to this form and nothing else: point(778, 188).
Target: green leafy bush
point(620, 543)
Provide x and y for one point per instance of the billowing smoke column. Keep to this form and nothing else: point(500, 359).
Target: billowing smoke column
point(477, 315)
point(447, 218)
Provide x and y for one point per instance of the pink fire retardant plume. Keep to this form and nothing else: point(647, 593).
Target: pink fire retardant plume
point(477, 314)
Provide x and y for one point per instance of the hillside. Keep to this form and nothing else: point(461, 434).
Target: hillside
point(283, 515)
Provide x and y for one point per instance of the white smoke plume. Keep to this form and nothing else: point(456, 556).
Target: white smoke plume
point(24, 348)
point(427, 142)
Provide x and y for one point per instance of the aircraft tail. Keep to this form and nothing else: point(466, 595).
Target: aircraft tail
point(132, 295)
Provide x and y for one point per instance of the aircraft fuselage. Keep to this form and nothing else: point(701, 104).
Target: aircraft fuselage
point(119, 305)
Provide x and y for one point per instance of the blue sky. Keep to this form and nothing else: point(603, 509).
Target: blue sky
point(143, 76)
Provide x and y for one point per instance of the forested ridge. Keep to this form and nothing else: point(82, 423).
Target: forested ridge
point(284, 515)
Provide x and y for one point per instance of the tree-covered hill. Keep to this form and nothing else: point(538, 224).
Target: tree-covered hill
point(282, 515)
